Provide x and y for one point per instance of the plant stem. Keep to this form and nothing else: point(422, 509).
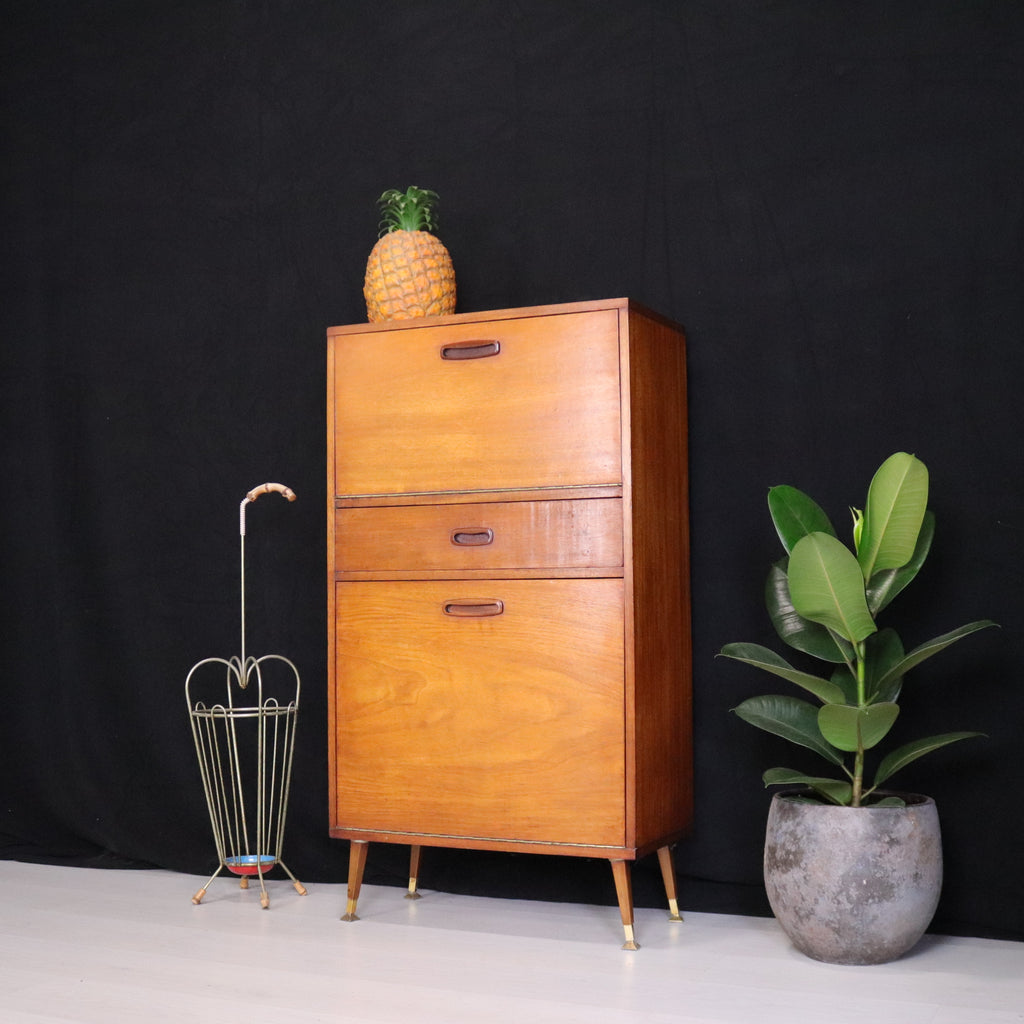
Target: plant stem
point(861, 673)
point(858, 758)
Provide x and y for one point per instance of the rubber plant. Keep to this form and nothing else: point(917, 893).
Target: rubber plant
point(824, 599)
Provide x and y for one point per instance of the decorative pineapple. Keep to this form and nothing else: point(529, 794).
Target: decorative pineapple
point(409, 272)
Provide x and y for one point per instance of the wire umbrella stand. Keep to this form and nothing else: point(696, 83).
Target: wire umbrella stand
point(245, 749)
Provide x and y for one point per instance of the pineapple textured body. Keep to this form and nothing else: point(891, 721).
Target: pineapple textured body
point(409, 274)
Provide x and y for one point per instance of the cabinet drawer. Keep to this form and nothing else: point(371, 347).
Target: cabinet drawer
point(557, 534)
point(519, 403)
point(491, 709)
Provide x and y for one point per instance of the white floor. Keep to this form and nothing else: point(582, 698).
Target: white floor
point(93, 946)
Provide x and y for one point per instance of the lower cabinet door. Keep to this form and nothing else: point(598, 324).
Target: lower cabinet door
point(481, 709)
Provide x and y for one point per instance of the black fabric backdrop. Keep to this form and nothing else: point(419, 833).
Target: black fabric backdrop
point(827, 195)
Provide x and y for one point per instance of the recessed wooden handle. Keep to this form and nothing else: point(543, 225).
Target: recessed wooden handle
point(470, 350)
point(472, 609)
point(472, 537)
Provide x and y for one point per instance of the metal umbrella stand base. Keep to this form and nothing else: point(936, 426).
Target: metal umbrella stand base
point(245, 750)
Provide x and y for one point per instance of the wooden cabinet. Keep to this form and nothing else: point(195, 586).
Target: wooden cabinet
point(509, 586)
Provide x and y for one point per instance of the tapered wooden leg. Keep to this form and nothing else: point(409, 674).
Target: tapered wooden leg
point(356, 866)
point(414, 872)
point(624, 891)
point(668, 873)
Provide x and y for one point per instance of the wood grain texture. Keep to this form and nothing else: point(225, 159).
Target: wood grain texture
point(507, 726)
point(659, 686)
point(541, 413)
point(484, 535)
point(561, 721)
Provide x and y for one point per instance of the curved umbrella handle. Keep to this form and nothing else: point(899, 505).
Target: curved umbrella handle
point(286, 492)
point(254, 494)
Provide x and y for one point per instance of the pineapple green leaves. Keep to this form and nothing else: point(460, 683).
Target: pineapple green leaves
point(823, 599)
point(411, 210)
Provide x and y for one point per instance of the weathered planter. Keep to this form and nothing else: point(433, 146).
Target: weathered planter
point(853, 885)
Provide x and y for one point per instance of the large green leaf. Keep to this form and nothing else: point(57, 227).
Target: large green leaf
point(897, 499)
point(795, 515)
point(792, 719)
point(882, 651)
point(930, 647)
point(846, 682)
point(767, 659)
point(856, 728)
point(902, 756)
point(833, 790)
point(885, 585)
point(810, 637)
point(826, 586)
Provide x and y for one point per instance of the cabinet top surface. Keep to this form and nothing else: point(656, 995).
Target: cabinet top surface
point(496, 314)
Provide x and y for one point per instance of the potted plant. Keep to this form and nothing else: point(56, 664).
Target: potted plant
point(852, 872)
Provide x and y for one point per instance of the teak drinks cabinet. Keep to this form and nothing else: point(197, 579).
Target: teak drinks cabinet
point(509, 586)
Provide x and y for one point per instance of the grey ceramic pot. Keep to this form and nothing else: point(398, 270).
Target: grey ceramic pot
point(853, 885)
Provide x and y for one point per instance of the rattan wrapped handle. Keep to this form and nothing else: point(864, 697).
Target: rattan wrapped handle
point(286, 492)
